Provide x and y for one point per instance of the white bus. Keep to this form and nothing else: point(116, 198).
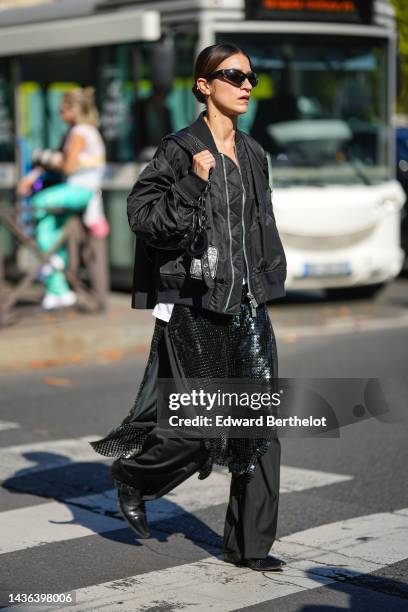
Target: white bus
point(322, 110)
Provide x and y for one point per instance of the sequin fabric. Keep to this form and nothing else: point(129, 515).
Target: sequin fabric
point(127, 439)
point(209, 345)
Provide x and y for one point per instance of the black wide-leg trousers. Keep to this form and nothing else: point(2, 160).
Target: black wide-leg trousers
point(210, 345)
point(252, 513)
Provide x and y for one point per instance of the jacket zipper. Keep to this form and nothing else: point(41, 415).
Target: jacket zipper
point(249, 293)
point(229, 230)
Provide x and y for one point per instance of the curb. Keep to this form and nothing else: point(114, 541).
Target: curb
point(70, 337)
point(67, 337)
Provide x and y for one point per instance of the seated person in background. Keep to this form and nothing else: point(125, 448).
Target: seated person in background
point(82, 162)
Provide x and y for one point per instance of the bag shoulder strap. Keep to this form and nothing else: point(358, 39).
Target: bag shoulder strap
point(188, 141)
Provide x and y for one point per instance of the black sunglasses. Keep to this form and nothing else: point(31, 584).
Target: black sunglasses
point(234, 76)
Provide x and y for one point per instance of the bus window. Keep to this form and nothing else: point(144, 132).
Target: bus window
point(32, 114)
point(115, 94)
point(44, 79)
point(56, 128)
point(7, 155)
point(320, 108)
point(6, 113)
point(157, 111)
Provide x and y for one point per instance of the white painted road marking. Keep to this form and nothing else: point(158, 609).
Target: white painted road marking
point(87, 515)
point(6, 425)
point(46, 523)
point(194, 495)
point(24, 459)
point(301, 479)
point(39, 456)
point(316, 557)
point(81, 515)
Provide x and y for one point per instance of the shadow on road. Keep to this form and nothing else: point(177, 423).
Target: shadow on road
point(56, 477)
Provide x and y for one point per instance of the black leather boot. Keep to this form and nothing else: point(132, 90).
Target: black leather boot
point(133, 509)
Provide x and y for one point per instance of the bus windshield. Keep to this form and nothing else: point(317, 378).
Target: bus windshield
point(320, 108)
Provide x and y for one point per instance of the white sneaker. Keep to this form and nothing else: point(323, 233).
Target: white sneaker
point(69, 298)
point(52, 301)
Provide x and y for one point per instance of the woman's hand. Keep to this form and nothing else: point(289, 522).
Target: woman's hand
point(202, 164)
point(24, 186)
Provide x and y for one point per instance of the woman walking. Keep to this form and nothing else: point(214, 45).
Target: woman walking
point(210, 307)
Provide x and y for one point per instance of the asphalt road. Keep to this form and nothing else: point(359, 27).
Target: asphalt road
point(343, 517)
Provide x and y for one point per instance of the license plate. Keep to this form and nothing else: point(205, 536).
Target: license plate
point(341, 268)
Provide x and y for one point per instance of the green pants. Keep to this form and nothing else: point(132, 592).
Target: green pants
point(49, 227)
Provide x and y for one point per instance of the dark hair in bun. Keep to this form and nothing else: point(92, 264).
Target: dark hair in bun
point(209, 59)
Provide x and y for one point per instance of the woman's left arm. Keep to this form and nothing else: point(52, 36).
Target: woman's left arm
point(75, 147)
point(269, 202)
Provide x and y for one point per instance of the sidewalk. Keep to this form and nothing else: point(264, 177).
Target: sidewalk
point(40, 339)
point(68, 336)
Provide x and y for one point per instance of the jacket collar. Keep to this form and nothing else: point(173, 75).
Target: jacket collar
point(245, 153)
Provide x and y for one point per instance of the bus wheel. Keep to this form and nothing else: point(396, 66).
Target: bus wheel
point(354, 293)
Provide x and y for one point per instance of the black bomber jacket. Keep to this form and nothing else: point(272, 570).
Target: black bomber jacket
point(241, 228)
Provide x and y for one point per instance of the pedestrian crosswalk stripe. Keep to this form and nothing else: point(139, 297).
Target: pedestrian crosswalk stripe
point(25, 459)
point(38, 456)
point(6, 425)
point(52, 522)
point(79, 517)
point(189, 496)
point(316, 557)
point(301, 479)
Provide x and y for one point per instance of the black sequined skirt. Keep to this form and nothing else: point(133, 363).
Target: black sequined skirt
point(201, 344)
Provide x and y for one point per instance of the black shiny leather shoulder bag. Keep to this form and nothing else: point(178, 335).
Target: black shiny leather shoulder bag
point(199, 243)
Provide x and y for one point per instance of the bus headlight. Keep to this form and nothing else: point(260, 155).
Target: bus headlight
point(389, 205)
